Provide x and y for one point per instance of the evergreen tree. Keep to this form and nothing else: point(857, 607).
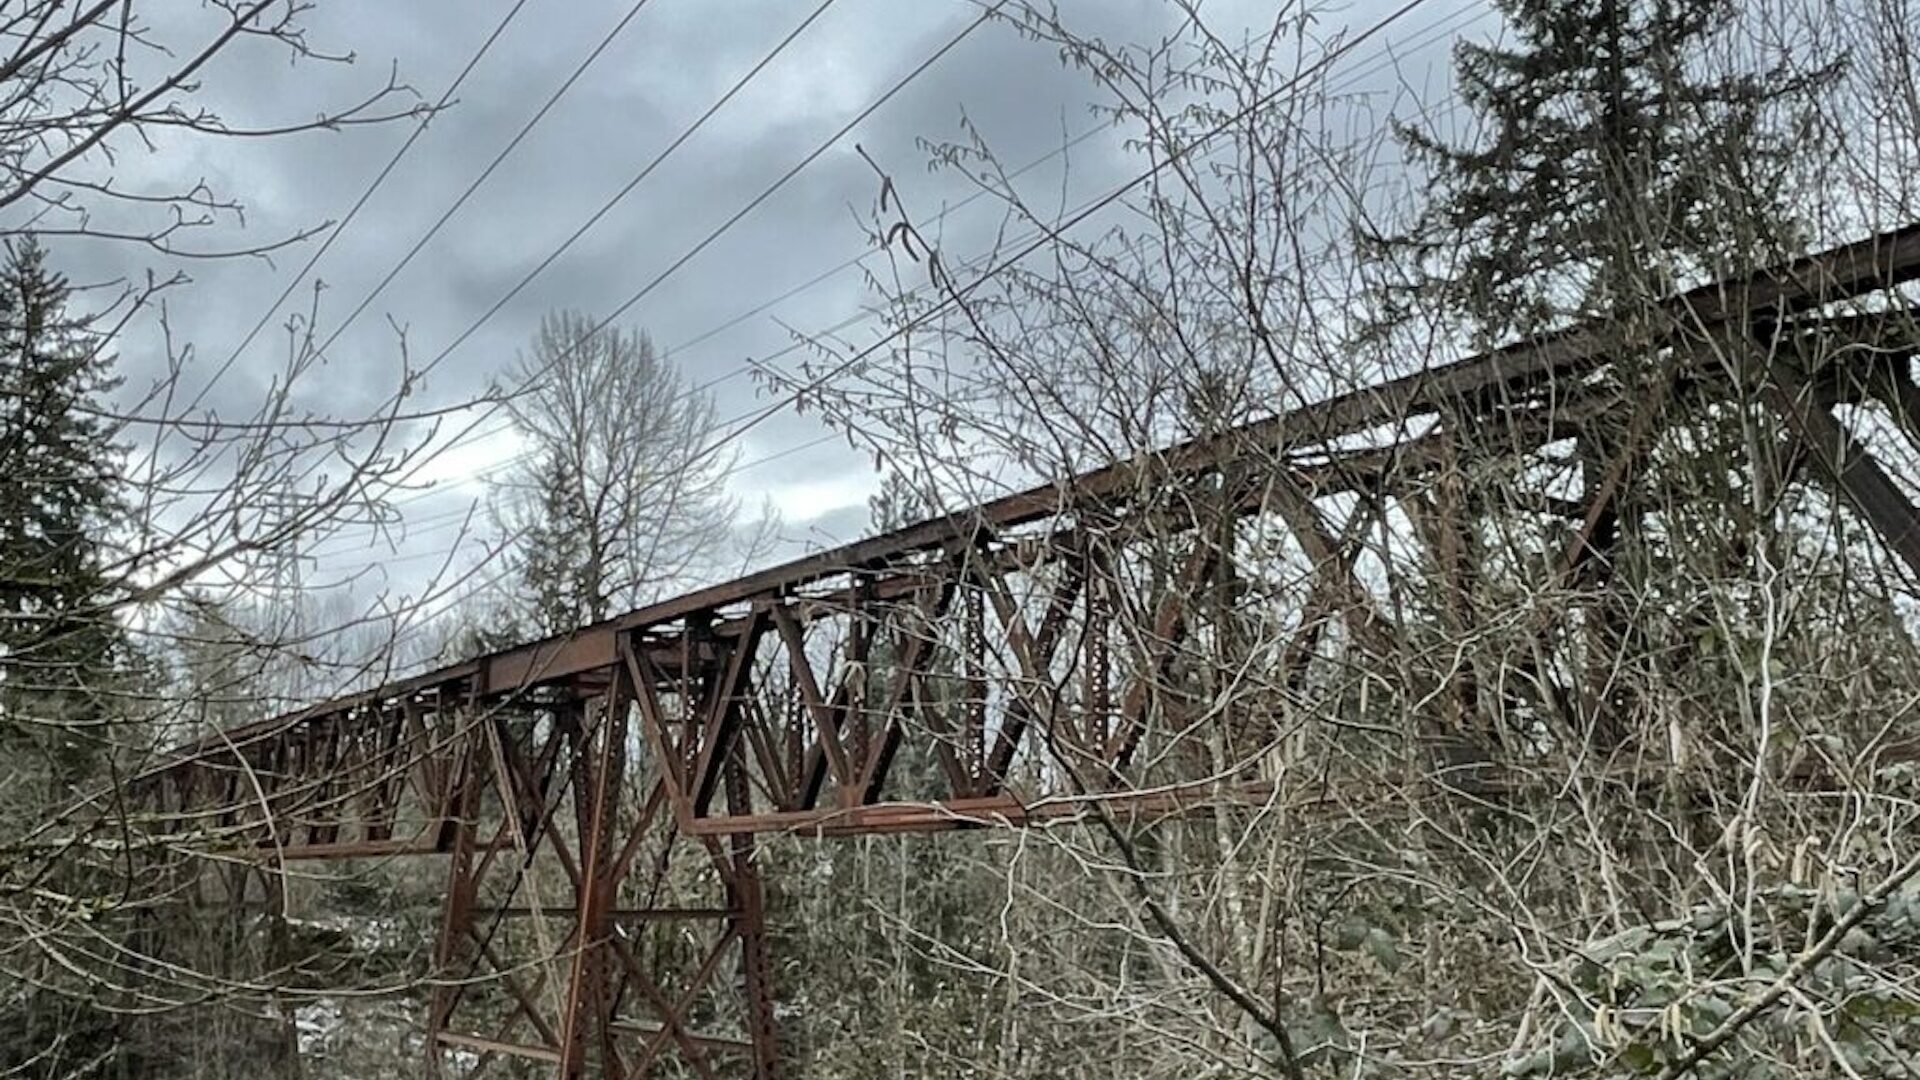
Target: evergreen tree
point(60, 503)
point(559, 580)
point(1619, 160)
point(62, 649)
point(1624, 155)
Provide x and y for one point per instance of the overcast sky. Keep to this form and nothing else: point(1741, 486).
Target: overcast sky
point(668, 64)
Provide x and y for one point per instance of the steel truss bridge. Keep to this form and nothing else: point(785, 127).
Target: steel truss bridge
point(1003, 653)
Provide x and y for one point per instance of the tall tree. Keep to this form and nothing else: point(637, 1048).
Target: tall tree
point(1625, 150)
point(1620, 153)
point(82, 899)
point(60, 502)
point(624, 489)
point(63, 652)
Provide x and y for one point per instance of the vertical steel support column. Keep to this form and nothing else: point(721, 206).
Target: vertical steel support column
point(1454, 546)
point(750, 926)
point(456, 921)
point(599, 752)
point(973, 675)
point(1096, 725)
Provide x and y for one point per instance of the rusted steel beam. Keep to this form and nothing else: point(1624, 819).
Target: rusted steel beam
point(724, 715)
point(673, 1013)
point(1882, 260)
point(912, 642)
point(598, 760)
point(654, 914)
point(485, 1045)
point(745, 895)
point(703, 1039)
point(825, 721)
point(1163, 639)
point(643, 679)
point(983, 812)
point(524, 1003)
point(1034, 653)
point(1864, 482)
point(457, 908)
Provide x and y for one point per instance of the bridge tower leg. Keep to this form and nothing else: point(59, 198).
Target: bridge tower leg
point(750, 926)
point(584, 932)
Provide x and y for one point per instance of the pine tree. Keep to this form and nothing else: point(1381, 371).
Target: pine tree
point(62, 649)
point(1623, 156)
point(1619, 161)
point(560, 580)
point(60, 503)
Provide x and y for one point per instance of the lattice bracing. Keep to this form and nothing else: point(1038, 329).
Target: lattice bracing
point(1052, 654)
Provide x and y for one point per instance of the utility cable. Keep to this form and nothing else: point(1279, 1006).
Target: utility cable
point(485, 174)
point(353, 212)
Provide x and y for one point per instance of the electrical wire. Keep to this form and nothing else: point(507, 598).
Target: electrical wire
point(1040, 236)
point(506, 151)
point(1447, 25)
point(489, 409)
point(717, 232)
point(440, 523)
point(353, 212)
point(647, 170)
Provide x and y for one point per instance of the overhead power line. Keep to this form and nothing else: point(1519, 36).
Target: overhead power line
point(489, 410)
point(1447, 25)
point(353, 212)
point(505, 152)
point(639, 177)
point(723, 227)
point(440, 523)
point(1041, 236)
point(739, 425)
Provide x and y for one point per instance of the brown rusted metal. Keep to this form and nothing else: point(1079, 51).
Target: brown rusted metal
point(496, 1046)
point(599, 753)
point(1162, 638)
point(1876, 262)
point(987, 812)
point(724, 714)
point(456, 912)
point(750, 926)
point(988, 646)
point(912, 642)
point(1860, 476)
point(825, 719)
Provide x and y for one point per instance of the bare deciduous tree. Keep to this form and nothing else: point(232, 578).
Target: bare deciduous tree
point(1665, 898)
point(89, 86)
point(623, 490)
point(114, 954)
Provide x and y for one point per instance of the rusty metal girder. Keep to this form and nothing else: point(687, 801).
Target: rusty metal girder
point(1509, 373)
point(1001, 666)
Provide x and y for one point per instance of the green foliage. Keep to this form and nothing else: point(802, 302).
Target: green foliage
point(1648, 994)
point(552, 558)
point(64, 655)
point(1616, 162)
point(60, 504)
